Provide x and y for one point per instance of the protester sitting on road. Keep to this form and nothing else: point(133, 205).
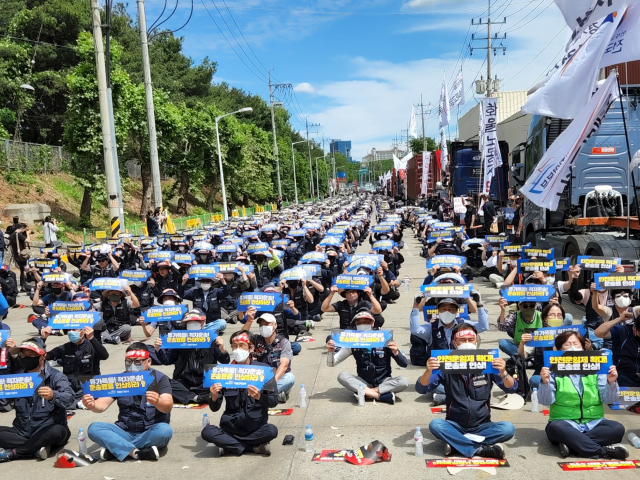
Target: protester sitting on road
point(208, 297)
point(41, 420)
point(188, 373)
point(576, 412)
point(142, 429)
point(373, 366)
point(274, 350)
point(244, 422)
point(346, 309)
point(625, 340)
point(117, 315)
point(468, 400)
point(107, 266)
point(527, 316)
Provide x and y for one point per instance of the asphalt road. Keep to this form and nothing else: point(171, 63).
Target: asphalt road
point(337, 421)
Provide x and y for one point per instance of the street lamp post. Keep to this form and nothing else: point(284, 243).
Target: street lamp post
point(224, 193)
point(293, 159)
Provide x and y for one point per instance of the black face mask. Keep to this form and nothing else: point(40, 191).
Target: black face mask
point(56, 291)
point(293, 283)
point(29, 363)
point(114, 298)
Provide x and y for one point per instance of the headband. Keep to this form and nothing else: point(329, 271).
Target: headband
point(136, 354)
point(243, 337)
point(467, 332)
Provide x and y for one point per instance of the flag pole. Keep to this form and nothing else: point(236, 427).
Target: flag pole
point(629, 172)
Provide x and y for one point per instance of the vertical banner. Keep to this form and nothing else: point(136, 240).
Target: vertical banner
point(426, 160)
point(444, 155)
point(490, 150)
point(457, 91)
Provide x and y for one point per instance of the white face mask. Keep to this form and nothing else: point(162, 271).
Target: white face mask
point(266, 331)
point(447, 317)
point(138, 284)
point(467, 346)
point(193, 326)
point(205, 286)
point(549, 280)
point(169, 303)
point(623, 302)
point(240, 355)
point(573, 348)
point(134, 368)
point(364, 328)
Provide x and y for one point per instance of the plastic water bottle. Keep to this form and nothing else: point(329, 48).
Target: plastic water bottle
point(303, 397)
point(633, 438)
point(534, 401)
point(418, 438)
point(82, 441)
point(205, 420)
point(308, 440)
point(361, 395)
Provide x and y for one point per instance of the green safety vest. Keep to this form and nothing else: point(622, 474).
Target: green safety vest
point(568, 404)
point(521, 325)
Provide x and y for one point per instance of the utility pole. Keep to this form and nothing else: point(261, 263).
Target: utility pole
point(422, 113)
point(312, 189)
point(113, 202)
point(491, 86)
point(272, 88)
point(151, 116)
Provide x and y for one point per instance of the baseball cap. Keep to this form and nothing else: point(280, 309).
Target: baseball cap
point(34, 344)
point(447, 300)
point(267, 317)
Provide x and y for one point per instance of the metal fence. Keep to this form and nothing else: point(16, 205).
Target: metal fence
point(33, 157)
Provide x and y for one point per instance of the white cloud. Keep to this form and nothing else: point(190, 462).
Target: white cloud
point(428, 3)
point(304, 88)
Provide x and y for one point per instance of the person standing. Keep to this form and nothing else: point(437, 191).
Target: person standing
point(489, 211)
point(153, 229)
point(49, 230)
point(19, 240)
point(2, 247)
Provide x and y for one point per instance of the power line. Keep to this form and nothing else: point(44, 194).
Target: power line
point(245, 40)
point(540, 13)
point(165, 32)
point(165, 20)
point(37, 42)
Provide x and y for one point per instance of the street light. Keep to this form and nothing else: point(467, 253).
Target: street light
point(293, 159)
point(224, 193)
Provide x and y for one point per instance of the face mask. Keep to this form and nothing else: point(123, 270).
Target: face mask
point(204, 257)
point(181, 249)
point(623, 302)
point(266, 331)
point(528, 312)
point(293, 283)
point(549, 280)
point(134, 368)
point(56, 291)
point(205, 286)
point(364, 328)
point(114, 298)
point(169, 303)
point(447, 317)
point(193, 325)
point(74, 337)
point(467, 346)
point(30, 363)
point(138, 284)
point(573, 348)
point(240, 355)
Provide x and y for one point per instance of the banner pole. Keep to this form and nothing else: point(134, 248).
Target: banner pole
point(629, 172)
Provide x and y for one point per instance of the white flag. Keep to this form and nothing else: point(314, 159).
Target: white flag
point(547, 182)
point(426, 157)
point(490, 149)
point(571, 82)
point(444, 154)
point(412, 125)
point(401, 164)
point(624, 45)
point(578, 13)
point(457, 92)
point(444, 111)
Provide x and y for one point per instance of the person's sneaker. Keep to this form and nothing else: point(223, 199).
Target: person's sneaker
point(564, 450)
point(106, 454)
point(616, 452)
point(492, 451)
point(116, 340)
point(316, 318)
point(389, 398)
point(43, 453)
point(219, 451)
point(499, 285)
point(447, 449)
point(7, 455)
point(283, 397)
point(439, 399)
point(310, 324)
point(262, 449)
point(202, 399)
point(148, 453)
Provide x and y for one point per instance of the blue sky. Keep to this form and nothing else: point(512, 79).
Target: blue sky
point(358, 66)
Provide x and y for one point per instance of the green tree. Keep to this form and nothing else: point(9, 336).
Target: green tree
point(417, 145)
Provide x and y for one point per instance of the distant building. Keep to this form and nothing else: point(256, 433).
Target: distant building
point(341, 146)
point(378, 155)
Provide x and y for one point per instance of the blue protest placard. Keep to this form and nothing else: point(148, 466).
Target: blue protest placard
point(472, 241)
point(382, 228)
point(234, 240)
point(528, 266)
point(627, 397)
point(70, 306)
point(353, 282)
point(56, 277)
point(159, 256)
point(384, 245)
point(300, 232)
point(331, 241)
point(447, 290)
point(269, 227)
point(546, 336)
point(535, 252)
point(371, 262)
point(320, 257)
point(296, 273)
point(45, 263)
point(167, 313)
point(432, 311)
point(4, 335)
point(238, 376)
point(528, 293)
point(185, 258)
point(250, 233)
point(454, 362)
point(48, 249)
point(118, 385)
point(261, 301)
point(495, 239)
point(446, 261)
point(514, 249)
point(226, 248)
point(590, 262)
point(563, 264)
point(282, 242)
point(202, 246)
point(109, 283)
point(361, 339)
point(442, 225)
point(188, 339)
point(257, 247)
point(615, 281)
point(443, 234)
point(19, 386)
point(588, 362)
point(135, 275)
point(74, 320)
point(203, 271)
point(313, 269)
